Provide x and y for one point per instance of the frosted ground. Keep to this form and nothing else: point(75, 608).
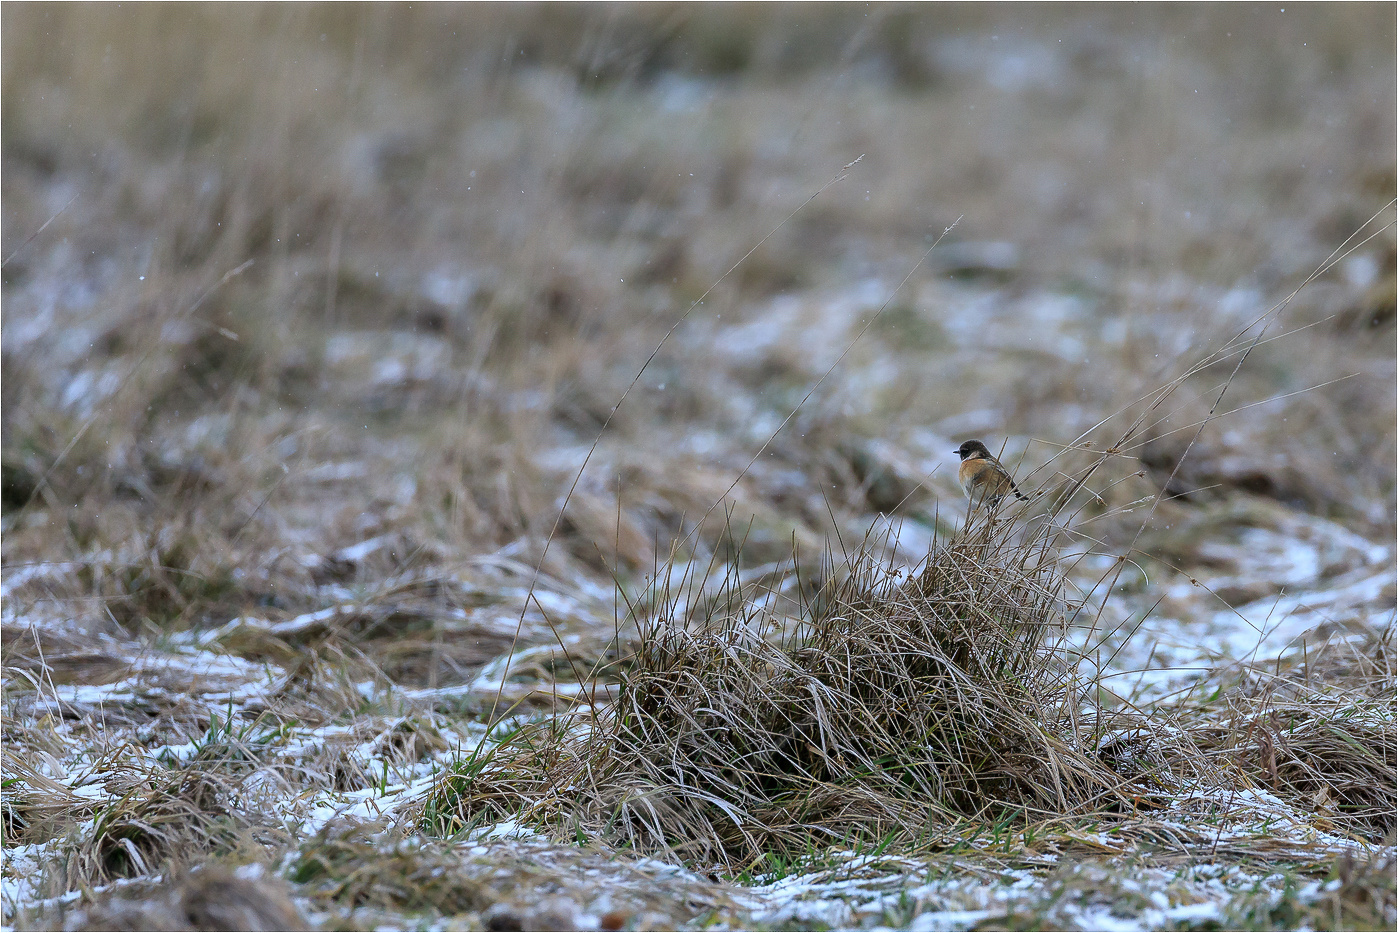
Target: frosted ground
point(275, 534)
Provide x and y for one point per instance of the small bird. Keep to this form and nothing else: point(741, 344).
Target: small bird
point(981, 475)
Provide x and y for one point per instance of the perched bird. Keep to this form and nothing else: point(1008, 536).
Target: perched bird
point(981, 475)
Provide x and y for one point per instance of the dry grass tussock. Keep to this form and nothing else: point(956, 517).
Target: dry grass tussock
point(211, 897)
point(1319, 735)
point(155, 821)
point(889, 707)
point(380, 871)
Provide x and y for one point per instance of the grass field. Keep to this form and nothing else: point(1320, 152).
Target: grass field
point(491, 467)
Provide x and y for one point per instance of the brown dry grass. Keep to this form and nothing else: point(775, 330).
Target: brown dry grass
point(879, 709)
point(312, 315)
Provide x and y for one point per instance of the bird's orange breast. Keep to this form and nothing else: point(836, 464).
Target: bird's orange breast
point(982, 476)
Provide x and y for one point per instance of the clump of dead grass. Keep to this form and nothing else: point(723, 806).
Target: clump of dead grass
point(1367, 896)
point(886, 706)
point(209, 898)
point(1325, 742)
point(36, 808)
point(157, 820)
point(353, 866)
point(150, 818)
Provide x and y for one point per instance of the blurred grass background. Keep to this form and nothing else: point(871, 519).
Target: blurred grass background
point(470, 225)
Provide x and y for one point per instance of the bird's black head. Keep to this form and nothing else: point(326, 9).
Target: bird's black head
point(972, 449)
